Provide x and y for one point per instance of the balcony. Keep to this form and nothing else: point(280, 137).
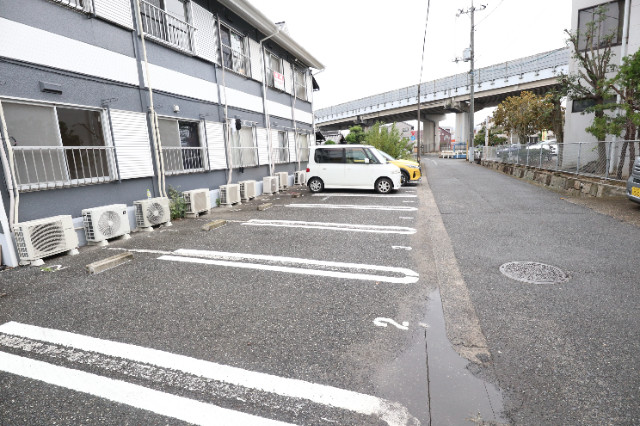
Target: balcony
point(166, 28)
point(181, 160)
point(40, 168)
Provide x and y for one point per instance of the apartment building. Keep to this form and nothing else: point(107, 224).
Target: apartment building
point(106, 101)
point(622, 18)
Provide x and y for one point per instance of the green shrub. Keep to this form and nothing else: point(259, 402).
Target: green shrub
point(177, 205)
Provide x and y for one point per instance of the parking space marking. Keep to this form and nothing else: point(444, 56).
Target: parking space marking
point(405, 217)
point(401, 248)
point(352, 207)
point(166, 404)
point(187, 410)
point(382, 322)
point(332, 226)
point(354, 271)
point(341, 194)
point(408, 201)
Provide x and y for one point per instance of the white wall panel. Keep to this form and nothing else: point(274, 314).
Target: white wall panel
point(255, 55)
point(216, 146)
point(293, 151)
point(28, 44)
point(178, 83)
point(263, 146)
point(118, 11)
point(131, 141)
point(303, 116)
point(243, 100)
point(288, 77)
point(206, 36)
point(279, 110)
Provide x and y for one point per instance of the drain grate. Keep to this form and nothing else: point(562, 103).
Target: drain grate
point(534, 273)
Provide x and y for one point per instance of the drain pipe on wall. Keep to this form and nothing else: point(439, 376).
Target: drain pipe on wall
point(155, 133)
point(264, 102)
point(9, 171)
point(226, 107)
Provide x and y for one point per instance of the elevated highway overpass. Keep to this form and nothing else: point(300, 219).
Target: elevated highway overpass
point(536, 73)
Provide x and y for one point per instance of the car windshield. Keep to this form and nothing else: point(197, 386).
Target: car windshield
point(381, 156)
point(385, 155)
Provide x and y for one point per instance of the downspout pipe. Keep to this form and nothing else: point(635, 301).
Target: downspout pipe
point(623, 52)
point(155, 133)
point(264, 101)
point(226, 107)
point(9, 171)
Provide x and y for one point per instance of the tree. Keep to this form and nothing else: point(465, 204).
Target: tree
point(524, 115)
point(389, 140)
point(356, 135)
point(494, 139)
point(590, 84)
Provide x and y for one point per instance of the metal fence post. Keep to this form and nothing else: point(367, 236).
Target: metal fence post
point(527, 156)
point(560, 145)
point(579, 152)
point(540, 156)
point(607, 161)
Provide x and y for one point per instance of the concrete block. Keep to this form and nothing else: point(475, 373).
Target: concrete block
point(109, 262)
point(264, 206)
point(585, 187)
point(213, 225)
point(558, 182)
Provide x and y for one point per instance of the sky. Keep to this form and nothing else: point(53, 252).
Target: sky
point(370, 47)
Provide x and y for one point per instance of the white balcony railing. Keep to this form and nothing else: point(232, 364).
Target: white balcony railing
point(280, 155)
point(180, 160)
point(59, 167)
point(244, 156)
point(166, 28)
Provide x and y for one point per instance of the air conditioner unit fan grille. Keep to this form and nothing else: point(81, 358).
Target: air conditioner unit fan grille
point(47, 238)
point(109, 223)
point(155, 213)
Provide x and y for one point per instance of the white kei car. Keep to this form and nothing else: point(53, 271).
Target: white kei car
point(351, 167)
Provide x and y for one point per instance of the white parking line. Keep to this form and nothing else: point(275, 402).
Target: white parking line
point(137, 396)
point(302, 266)
point(341, 194)
point(173, 406)
point(352, 207)
point(401, 248)
point(332, 226)
point(405, 217)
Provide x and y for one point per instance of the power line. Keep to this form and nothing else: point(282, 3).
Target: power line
point(424, 43)
point(489, 14)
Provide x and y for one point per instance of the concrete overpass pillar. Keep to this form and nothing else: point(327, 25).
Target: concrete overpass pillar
point(462, 127)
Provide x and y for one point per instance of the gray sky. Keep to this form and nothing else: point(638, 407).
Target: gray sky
point(370, 47)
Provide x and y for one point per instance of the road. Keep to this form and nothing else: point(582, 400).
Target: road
point(338, 308)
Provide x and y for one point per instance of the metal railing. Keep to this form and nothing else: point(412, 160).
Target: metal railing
point(166, 28)
point(280, 155)
point(535, 63)
point(59, 167)
point(81, 5)
point(605, 160)
point(180, 160)
point(244, 156)
point(303, 154)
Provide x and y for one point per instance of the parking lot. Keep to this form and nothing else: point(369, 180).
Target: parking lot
point(314, 311)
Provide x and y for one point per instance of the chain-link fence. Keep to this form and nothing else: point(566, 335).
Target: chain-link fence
point(607, 160)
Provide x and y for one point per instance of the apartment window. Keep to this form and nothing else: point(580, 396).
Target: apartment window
point(303, 147)
point(82, 5)
point(301, 84)
point(57, 146)
point(589, 26)
point(275, 71)
point(167, 21)
point(281, 151)
point(244, 151)
point(181, 146)
point(234, 51)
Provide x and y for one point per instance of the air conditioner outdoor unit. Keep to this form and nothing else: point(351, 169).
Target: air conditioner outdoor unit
point(270, 184)
point(247, 189)
point(198, 201)
point(230, 194)
point(300, 178)
point(102, 223)
point(284, 180)
point(45, 237)
point(151, 212)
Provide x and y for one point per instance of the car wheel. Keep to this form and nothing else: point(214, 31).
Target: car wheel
point(404, 178)
point(384, 185)
point(315, 184)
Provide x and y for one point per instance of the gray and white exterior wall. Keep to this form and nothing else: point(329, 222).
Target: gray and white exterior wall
point(92, 55)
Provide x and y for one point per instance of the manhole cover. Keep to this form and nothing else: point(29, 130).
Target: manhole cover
point(534, 273)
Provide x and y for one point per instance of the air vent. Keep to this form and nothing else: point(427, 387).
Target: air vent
point(152, 211)
point(103, 223)
point(41, 238)
point(198, 201)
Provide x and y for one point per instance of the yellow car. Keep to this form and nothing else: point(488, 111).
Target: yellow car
point(411, 171)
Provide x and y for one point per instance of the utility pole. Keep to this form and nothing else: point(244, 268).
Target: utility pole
point(419, 147)
point(471, 59)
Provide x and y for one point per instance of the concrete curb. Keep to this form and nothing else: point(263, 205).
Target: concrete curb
point(213, 225)
point(109, 262)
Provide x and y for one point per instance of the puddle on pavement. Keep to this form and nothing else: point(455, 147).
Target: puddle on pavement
point(456, 395)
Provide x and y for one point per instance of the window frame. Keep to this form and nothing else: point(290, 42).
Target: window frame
point(66, 179)
point(270, 78)
point(245, 54)
point(163, 25)
point(239, 156)
point(617, 41)
point(191, 163)
point(297, 85)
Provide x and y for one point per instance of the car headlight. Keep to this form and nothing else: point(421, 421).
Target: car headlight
point(411, 166)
